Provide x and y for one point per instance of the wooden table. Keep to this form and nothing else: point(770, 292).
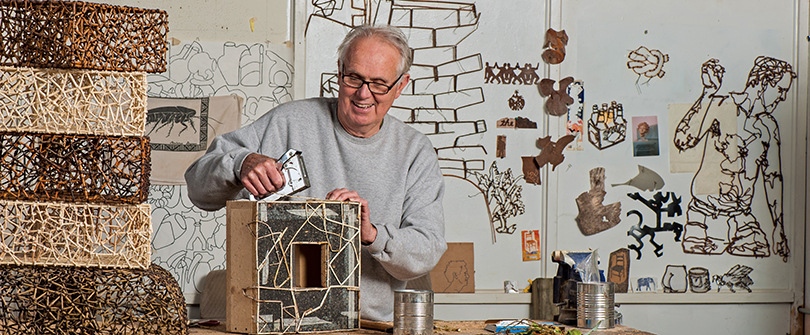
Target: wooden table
point(442, 327)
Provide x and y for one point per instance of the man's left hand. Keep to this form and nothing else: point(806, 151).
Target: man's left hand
point(367, 231)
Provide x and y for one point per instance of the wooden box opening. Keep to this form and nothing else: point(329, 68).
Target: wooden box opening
point(308, 264)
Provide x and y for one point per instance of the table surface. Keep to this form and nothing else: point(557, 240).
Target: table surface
point(441, 327)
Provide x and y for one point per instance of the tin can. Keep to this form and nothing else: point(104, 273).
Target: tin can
point(413, 312)
point(595, 304)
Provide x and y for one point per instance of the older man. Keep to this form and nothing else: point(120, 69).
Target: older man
point(354, 151)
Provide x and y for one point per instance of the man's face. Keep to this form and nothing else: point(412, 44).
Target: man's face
point(361, 112)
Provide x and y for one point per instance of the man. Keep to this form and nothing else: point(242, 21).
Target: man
point(353, 151)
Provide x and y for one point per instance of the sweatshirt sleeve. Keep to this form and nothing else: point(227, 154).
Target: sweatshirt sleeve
point(213, 179)
point(414, 246)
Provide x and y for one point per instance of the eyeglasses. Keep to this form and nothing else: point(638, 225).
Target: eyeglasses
point(376, 88)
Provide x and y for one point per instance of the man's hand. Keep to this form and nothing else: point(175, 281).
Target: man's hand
point(261, 175)
point(367, 231)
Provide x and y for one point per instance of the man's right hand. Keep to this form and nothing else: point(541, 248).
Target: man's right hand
point(261, 175)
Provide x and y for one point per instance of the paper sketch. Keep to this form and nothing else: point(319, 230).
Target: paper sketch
point(726, 221)
point(573, 125)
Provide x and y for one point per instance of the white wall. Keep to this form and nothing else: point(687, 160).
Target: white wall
point(690, 32)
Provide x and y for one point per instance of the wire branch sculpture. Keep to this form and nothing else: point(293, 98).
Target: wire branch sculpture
point(72, 101)
point(82, 35)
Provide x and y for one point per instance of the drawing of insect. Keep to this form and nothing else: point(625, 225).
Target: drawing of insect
point(736, 277)
point(160, 117)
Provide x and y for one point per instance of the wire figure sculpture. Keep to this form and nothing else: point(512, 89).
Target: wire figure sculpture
point(751, 170)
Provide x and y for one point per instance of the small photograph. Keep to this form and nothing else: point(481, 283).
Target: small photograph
point(645, 136)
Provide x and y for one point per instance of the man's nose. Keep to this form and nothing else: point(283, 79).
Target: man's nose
point(364, 90)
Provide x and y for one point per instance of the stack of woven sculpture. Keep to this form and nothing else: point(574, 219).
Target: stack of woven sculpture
point(75, 231)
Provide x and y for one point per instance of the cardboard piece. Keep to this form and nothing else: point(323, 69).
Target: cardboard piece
point(455, 272)
point(292, 266)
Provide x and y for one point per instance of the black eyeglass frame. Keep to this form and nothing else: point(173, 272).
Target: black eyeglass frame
point(343, 76)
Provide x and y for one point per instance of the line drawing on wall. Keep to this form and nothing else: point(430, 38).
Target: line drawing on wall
point(188, 241)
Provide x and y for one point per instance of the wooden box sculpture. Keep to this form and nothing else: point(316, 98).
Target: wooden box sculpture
point(292, 266)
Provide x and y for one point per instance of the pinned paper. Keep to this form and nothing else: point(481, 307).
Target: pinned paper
point(531, 245)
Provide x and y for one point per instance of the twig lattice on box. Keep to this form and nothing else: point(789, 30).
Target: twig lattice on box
point(73, 234)
point(298, 266)
point(79, 168)
point(61, 300)
point(82, 35)
point(72, 101)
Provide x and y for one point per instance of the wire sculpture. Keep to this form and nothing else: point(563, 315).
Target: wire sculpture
point(79, 168)
point(737, 277)
point(558, 100)
point(607, 126)
point(82, 35)
point(595, 217)
point(506, 75)
point(516, 101)
point(554, 46)
point(648, 63)
point(675, 279)
point(68, 300)
point(656, 204)
point(72, 101)
point(75, 234)
point(726, 222)
point(699, 280)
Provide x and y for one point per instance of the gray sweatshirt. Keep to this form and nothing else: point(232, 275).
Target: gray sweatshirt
point(396, 170)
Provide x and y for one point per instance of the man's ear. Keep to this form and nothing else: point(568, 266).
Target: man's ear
point(404, 81)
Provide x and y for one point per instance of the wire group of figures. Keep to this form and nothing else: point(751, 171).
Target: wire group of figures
point(507, 74)
point(750, 168)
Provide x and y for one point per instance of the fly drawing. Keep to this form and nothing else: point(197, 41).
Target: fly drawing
point(160, 117)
